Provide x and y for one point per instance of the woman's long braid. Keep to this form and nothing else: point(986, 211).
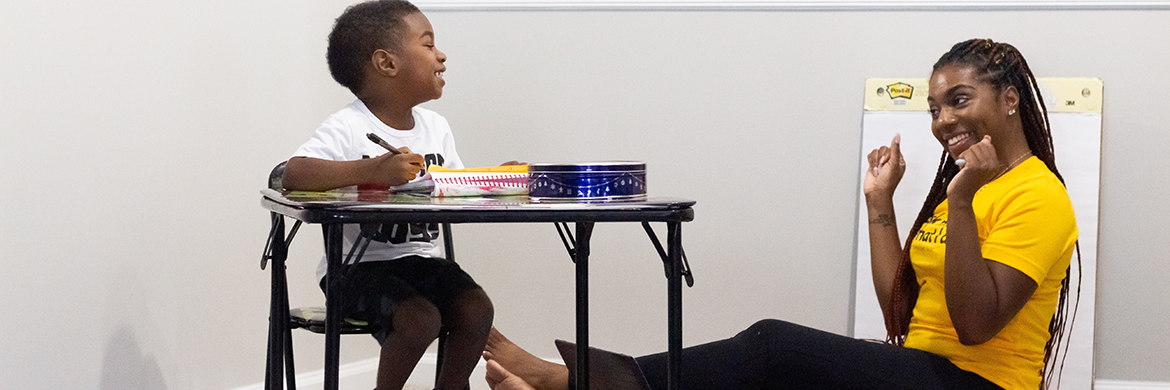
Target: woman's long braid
point(906, 288)
point(1041, 146)
point(905, 281)
point(1003, 66)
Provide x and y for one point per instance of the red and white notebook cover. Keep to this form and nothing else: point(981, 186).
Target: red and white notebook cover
point(486, 181)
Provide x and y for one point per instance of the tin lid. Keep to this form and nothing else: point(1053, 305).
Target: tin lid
point(599, 166)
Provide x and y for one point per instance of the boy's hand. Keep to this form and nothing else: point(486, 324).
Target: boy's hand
point(397, 169)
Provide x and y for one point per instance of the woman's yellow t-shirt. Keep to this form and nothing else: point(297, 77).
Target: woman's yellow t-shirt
point(1026, 222)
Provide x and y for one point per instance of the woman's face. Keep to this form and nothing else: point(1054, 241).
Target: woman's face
point(963, 108)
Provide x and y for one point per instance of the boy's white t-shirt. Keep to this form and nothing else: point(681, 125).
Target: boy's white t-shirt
point(342, 137)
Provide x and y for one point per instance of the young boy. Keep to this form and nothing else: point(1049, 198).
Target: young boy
point(384, 51)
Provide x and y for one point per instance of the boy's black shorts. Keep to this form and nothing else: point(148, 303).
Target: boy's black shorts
point(371, 290)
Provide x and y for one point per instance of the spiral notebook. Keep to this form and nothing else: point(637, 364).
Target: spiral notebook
point(485, 181)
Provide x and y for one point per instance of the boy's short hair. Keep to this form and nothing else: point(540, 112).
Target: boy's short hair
point(358, 32)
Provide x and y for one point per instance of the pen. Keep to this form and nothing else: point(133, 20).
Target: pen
point(378, 140)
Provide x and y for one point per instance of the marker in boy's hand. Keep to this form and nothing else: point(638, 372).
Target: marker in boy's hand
point(397, 168)
point(381, 142)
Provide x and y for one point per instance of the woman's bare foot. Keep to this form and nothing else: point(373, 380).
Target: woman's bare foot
point(537, 372)
point(500, 379)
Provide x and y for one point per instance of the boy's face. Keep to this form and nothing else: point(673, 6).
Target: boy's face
point(422, 63)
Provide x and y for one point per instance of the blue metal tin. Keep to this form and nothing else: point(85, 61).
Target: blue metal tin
point(604, 181)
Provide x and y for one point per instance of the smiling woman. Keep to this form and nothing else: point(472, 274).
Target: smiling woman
point(1011, 225)
point(970, 301)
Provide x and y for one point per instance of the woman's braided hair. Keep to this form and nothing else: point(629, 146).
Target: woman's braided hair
point(1001, 65)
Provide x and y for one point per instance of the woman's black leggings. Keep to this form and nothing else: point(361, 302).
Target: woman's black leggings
point(774, 354)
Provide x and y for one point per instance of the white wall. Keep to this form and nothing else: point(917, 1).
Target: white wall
point(136, 136)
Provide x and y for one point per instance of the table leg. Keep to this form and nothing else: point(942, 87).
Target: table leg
point(283, 321)
point(332, 233)
point(674, 306)
point(273, 378)
point(584, 231)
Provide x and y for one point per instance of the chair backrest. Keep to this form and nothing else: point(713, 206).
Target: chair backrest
point(276, 177)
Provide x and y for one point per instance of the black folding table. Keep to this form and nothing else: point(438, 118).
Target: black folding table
point(333, 209)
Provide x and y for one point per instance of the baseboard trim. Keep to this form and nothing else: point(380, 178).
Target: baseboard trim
point(427, 365)
point(368, 367)
point(316, 378)
point(1112, 384)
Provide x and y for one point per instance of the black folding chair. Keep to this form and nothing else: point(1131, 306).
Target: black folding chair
point(283, 320)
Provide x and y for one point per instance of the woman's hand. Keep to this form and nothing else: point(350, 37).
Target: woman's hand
point(886, 167)
point(981, 167)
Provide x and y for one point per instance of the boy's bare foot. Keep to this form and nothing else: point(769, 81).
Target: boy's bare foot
point(537, 372)
point(500, 379)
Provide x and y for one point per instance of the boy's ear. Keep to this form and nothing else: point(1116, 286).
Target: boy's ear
point(385, 63)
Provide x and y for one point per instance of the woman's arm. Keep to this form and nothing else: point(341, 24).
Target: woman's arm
point(886, 167)
point(982, 295)
point(885, 251)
